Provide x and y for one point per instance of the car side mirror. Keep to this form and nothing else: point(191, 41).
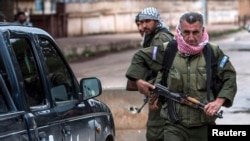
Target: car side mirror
point(90, 87)
point(248, 27)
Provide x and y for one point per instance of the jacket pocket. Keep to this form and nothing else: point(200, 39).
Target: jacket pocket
point(201, 79)
point(174, 80)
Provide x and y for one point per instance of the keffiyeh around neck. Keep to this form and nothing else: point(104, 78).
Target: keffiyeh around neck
point(185, 48)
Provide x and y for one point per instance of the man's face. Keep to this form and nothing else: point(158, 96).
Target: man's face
point(149, 26)
point(192, 33)
point(140, 28)
point(21, 18)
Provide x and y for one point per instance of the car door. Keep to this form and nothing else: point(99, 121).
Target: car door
point(14, 125)
point(77, 120)
point(33, 85)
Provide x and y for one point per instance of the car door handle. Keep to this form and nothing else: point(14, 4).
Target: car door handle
point(42, 136)
point(98, 128)
point(67, 130)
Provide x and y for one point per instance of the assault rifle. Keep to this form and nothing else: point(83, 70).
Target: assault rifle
point(181, 98)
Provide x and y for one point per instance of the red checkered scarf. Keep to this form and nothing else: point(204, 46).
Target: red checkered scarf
point(185, 48)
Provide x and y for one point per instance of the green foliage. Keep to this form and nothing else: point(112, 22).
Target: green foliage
point(87, 53)
point(72, 57)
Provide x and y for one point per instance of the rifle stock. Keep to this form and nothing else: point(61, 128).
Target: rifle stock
point(181, 98)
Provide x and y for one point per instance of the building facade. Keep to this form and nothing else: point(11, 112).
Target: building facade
point(84, 17)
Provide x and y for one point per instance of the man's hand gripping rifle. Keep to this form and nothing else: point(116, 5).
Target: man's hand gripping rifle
point(181, 98)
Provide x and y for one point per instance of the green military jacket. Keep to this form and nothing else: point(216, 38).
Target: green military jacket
point(157, 38)
point(187, 75)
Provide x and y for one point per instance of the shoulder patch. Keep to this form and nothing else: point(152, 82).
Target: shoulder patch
point(223, 61)
point(154, 53)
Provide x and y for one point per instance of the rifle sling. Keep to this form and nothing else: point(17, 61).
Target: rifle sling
point(167, 62)
point(211, 65)
point(207, 53)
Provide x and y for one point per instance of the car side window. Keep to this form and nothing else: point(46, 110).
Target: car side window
point(3, 104)
point(34, 90)
point(60, 77)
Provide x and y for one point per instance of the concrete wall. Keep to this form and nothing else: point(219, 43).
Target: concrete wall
point(244, 12)
point(244, 9)
point(118, 16)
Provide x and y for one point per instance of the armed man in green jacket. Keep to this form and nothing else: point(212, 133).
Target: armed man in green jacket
point(187, 75)
point(154, 32)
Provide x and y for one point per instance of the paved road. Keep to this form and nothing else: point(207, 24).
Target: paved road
point(112, 68)
point(237, 47)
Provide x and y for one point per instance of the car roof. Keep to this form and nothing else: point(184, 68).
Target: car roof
point(19, 28)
